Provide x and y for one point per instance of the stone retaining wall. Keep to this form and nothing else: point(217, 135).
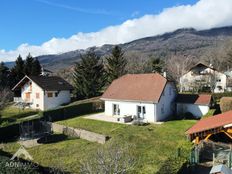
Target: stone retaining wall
point(80, 133)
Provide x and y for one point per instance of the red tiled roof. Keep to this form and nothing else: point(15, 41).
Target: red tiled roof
point(198, 99)
point(211, 122)
point(136, 87)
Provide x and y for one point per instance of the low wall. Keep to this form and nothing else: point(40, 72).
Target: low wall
point(80, 133)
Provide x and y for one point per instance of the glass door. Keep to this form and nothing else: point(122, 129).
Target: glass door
point(116, 110)
point(141, 111)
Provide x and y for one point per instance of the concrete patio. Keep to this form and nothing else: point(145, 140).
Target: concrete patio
point(113, 119)
point(103, 117)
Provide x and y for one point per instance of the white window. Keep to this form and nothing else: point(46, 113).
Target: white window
point(50, 94)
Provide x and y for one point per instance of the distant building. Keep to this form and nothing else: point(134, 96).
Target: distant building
point(42, 92)
point(147, 96)
point(203, 76)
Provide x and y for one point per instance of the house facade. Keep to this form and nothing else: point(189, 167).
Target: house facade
point(195, 104)
point(203, 76)
point(146, 96)
point(42, 92)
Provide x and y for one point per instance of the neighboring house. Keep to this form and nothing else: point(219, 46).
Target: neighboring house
point(201, 75)
point(147, 96)
point(196, 104)
point(42, 92)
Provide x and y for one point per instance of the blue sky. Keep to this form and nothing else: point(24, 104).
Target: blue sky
point(36, 21)
point(56, 26)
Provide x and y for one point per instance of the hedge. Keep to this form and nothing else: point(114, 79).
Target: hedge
point(9, 132)
point(218, 96)
point(226, 104)
point(12, 132)
point(70, 111)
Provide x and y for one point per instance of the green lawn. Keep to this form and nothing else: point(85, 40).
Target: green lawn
point(12, 114)
point(153, 143)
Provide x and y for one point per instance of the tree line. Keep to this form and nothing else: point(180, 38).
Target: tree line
point(9, 77)
point(92, 73)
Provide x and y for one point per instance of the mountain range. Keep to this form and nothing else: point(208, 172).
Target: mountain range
point(187, 41)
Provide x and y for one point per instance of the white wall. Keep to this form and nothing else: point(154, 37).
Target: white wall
point(44, 102)
point(53, 102)
point(196, 110)
point(130, 108)
point(167, 102)
point(222, 82)
point(36, 103)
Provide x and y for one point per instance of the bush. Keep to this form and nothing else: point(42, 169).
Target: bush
point(9, 132)
point(189, 116)
point(70, 111)
point(175, 163)
point(226, 104)
point(218, 96)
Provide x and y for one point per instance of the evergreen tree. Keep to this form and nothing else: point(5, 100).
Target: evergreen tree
point(115, 64)
point(28, 65)
point(17, 72)
point(157, 65)
point(4, 76)
point(89, 76)
point(36, 68)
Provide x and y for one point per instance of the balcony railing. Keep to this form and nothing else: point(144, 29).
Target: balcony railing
point(18, 99)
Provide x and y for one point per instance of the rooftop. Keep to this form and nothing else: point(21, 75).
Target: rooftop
point(212, 122)
point(198, 99)
point(136, 87)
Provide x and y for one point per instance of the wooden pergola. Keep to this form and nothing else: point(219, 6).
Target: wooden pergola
point(207, 127)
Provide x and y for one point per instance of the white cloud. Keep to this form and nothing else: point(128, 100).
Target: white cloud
point(204, 14)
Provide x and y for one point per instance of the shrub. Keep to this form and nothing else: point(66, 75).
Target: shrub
point(175, 163)
point(70, 111)
point(226, 104)
point(189, 116)
point(218, 96)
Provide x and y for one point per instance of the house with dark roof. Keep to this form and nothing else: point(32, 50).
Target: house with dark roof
point(203, 76)
point(196, 104)
point(147, 96)
point(42, 92)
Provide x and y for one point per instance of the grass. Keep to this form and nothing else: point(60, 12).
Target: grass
point(153, 143)
point(12, 114)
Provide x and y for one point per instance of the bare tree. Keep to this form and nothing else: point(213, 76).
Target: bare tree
point(178, 65)
point(113, 158)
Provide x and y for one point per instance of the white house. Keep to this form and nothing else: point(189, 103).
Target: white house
point(201, 75)
point(196, 104)
point(42, 92)
point(147, 96)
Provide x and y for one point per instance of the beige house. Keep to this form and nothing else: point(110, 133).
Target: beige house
point(42, 92)
point(201, 75)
